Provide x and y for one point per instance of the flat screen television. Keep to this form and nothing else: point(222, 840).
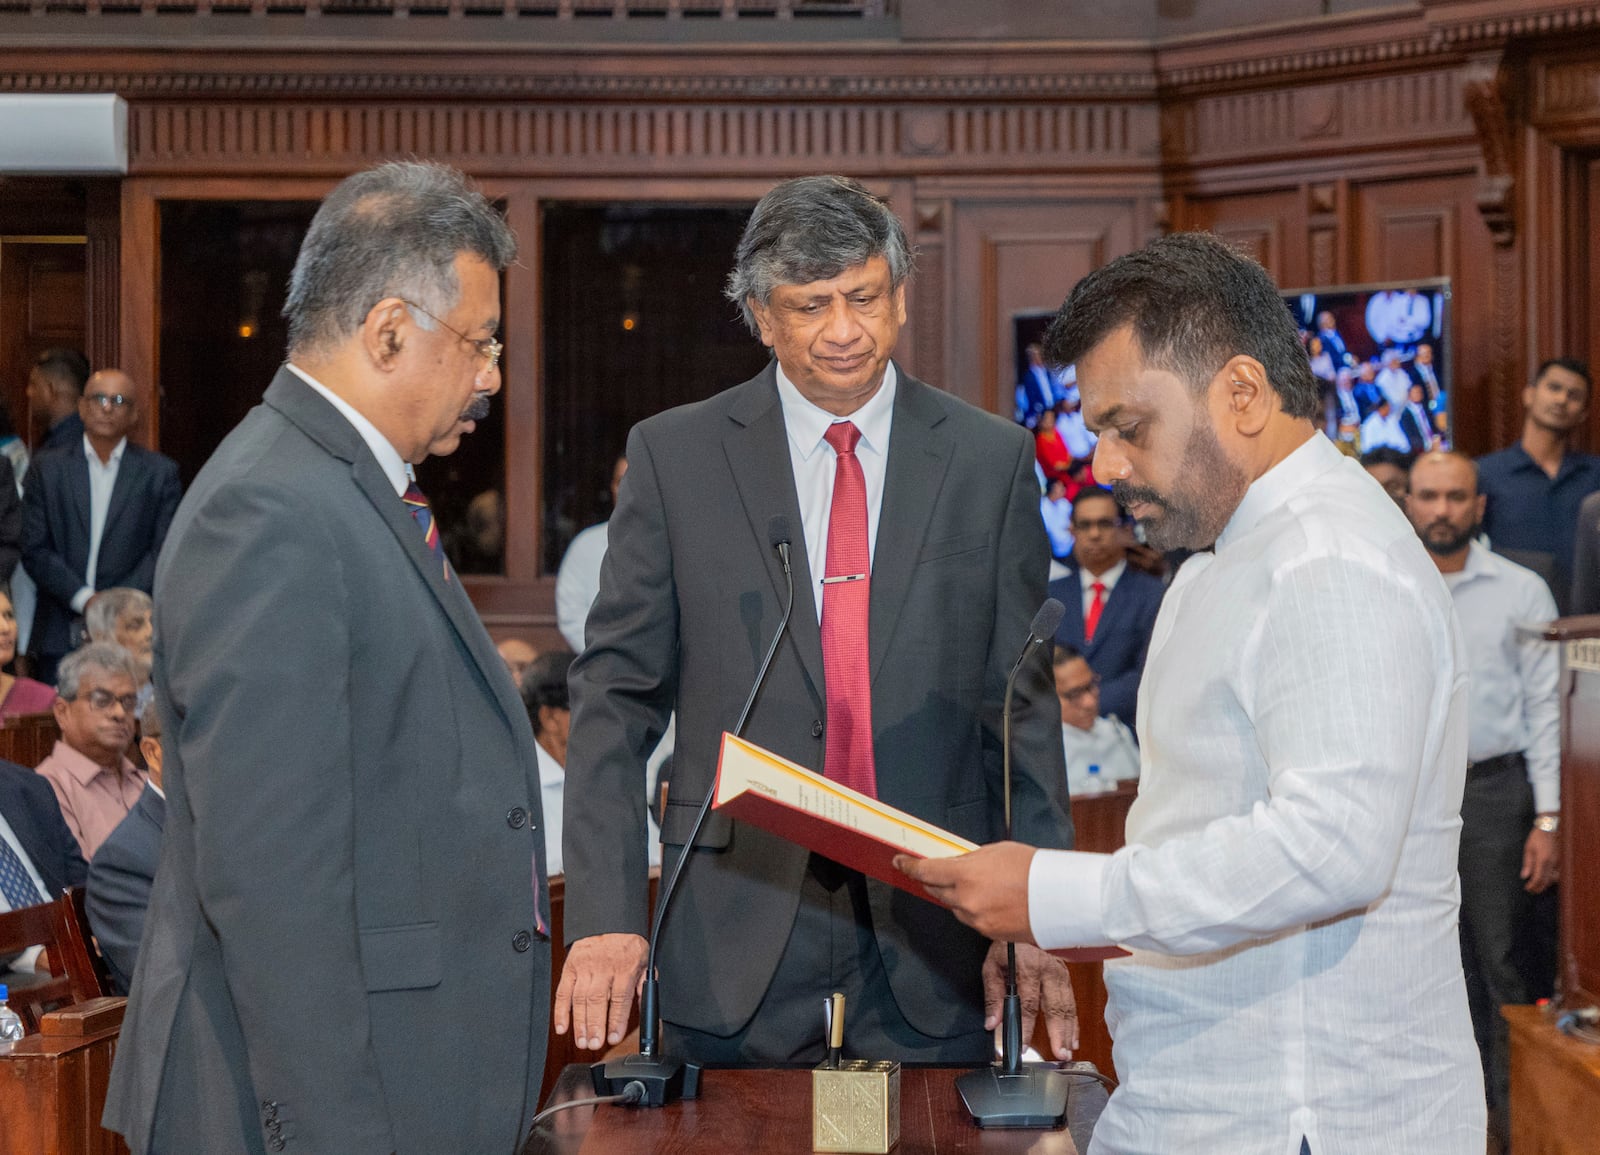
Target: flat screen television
point(1381, 356)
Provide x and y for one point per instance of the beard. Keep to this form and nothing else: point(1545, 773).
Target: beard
point(1444, 538)
point(1197, 509)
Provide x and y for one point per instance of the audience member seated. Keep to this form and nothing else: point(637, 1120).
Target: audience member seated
point(122, 617)
point(1050, 448)
point(1382, 428)
point(518, 655)
point(124, 868)
point(1391, 469)
point(578, 579)
point(1534, 489)
point(1056, 511)
point(97, 699)
point(1111, 607)
point(544, 693)
point(39, 857)
point(93, 515)
point(18, 696)
point(1088, 739)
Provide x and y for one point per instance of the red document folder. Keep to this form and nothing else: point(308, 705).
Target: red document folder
point(800, 806)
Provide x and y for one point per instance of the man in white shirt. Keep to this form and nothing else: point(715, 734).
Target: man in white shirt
point(578, 579)
point(1382, 428)
point(1393, 380)
point(1288, 887)
point(1100, 752)
point(1512, 805)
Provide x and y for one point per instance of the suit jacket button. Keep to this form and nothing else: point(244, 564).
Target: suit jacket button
point(276, 1142)
point(816, 728)
point(521, 941)
point(515, 817)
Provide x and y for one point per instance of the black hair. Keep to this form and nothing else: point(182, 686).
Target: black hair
point(544, 683)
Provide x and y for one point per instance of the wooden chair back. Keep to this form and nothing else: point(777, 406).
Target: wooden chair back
point(77, 973)
point(28, 738)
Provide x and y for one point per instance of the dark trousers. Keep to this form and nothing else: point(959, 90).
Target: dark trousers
point(1496, 816)
point(831, 947)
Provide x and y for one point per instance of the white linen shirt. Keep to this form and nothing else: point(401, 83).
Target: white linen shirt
point(815, 464)
point(1288, 887)
point(1513, 705)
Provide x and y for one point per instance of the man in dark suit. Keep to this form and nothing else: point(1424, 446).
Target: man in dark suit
point(123, 869)
point(345, 949)
point(1111, 606)
point(55, 383)
point(94, 515)
point(918, 560)
point(39, 857)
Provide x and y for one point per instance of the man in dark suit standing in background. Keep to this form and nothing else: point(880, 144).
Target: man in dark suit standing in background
point(345, 949)
point(94, 515)
point(919, 559)
point(1111, 606)
point(55, 383)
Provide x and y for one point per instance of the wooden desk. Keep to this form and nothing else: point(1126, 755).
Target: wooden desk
point(1555, 1087)
point(770, 1112)
point(53, 1084)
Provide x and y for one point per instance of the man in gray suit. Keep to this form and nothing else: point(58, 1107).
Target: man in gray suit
point(345, 950)
point(919, 560)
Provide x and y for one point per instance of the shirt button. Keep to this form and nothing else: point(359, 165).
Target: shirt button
point(816, 728)
point(515, 817)
point(521, 941)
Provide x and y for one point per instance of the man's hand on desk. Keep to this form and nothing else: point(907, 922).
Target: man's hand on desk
point(598, 984)
point(987, 888)
point(1043, 984)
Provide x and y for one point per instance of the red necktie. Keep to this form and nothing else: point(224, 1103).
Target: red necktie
point(1091, 620)
point(845, 669)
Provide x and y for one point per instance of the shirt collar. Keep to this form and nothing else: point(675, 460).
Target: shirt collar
point(807, 422)
point(1108, 579)
point(1479, 564)
point(1278, 484)
point(388, 456)
point(83, 769)
point(94, 458)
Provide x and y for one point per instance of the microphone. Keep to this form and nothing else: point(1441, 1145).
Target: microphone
point(1007, 1094)
point(664, 1078)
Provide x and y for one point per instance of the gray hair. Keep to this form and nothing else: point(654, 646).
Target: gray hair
point(105, 657)
point(812, 229)
point(391, 231)
point(106, 608)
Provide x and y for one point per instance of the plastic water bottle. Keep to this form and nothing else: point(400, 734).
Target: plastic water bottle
point(10, 1022)
point(1097, 784)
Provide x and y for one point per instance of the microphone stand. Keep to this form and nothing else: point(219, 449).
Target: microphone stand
point(1009, 1094)
point(665, 1078)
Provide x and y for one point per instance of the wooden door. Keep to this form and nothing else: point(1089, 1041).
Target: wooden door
point(42, 304)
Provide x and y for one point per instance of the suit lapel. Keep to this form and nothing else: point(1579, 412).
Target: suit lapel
point(757, 447)
point(129, 475)
point(78, 482)
point(1072, 600)
point(919, 455)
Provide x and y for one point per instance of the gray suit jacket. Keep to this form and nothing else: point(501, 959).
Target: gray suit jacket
point(120, 876)
point(339, 955)
point(690, 594)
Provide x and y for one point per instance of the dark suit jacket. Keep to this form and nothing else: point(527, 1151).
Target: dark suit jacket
point(1416, 431)
point(64, 434)
point(1585, 598)
point(10, 520)
point(691, 591)
point(1122, 638)
point(339, 949)
point(119, 884)
point(55, 532)
point(30, 807)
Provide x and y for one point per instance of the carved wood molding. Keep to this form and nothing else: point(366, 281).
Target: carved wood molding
point(1477, 23)
point(1490, 97)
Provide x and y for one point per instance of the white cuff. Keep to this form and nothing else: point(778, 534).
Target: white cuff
point(81, 599)
point(1064, 906)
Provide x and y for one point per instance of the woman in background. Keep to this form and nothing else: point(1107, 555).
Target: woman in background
point(17, 695)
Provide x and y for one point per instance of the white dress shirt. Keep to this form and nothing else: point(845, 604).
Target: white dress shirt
point(1109, 579)
point(1513, 706)
point(1378, 430)
point(1108, 745)
point(815, 462)
point(578, 583)
point(395, 469)
point(552, 788)
point(1288, 886)
point(102, 481)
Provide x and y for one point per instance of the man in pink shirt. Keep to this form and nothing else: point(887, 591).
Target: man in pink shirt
point(98, 688)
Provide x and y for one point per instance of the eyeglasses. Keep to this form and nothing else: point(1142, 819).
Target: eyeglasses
point(487, 347)
point(100, 701)
point(108, 401)
point(1105, 523)
point(1084, 691)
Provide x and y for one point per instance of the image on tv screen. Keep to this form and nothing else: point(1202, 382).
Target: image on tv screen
point(1380, 354)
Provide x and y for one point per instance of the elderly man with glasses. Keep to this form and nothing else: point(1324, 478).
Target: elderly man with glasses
point(94, 515)
point(95, 783)
point(1100, 752)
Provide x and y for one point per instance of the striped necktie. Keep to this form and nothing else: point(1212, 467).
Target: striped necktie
point(422, 514)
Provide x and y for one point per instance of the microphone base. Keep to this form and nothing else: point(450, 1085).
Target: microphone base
point(1035, 1098)
point(665, 1079)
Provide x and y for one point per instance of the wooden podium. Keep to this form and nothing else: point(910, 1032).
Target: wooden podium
point(1555, 1078)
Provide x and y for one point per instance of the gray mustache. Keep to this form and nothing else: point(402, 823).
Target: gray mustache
point(478, 410)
